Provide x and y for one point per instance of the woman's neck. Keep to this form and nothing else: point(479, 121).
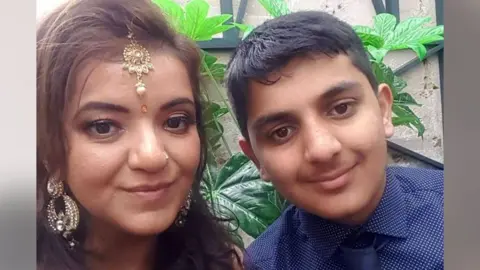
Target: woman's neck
point(111, 249)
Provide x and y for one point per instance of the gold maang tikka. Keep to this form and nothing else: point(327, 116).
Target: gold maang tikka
point(137, 60)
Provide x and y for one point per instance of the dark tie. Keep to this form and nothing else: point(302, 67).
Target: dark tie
point(360, 251)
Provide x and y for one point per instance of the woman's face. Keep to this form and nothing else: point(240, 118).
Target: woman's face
point(117, 164)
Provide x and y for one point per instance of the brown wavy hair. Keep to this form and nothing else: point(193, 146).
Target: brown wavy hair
point(96, 29)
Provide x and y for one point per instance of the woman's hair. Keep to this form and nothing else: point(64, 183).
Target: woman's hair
point(67, 38)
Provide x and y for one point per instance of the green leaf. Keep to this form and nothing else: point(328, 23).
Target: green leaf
point(239, 189)
point(384, 23)
point(403, 121)
point(275, 8)
point(195, 13)
point(217, 70)
point(406, 117)
point(192, 20)
point(212, 26)
point(405, 99)
point(213, 128)
point(245, 28)
point(209, 178)
point(216, 147)
point(377, 54)
point(403, 31)
point(208, 58)
point(419, 49)
point(173, 12)
point(430, 39)
point(403, 114)
point(383, 73)
point(418, 125)
point(214, 132)
point(212, 111)
point(412, 31)
point(398, 84)
point(368, 36)
point(364, 29)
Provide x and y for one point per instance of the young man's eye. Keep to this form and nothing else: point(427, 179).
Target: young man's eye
point(342, 110)
point(281, 134)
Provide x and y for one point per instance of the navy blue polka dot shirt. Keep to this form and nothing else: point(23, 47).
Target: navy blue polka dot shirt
point(410, 215)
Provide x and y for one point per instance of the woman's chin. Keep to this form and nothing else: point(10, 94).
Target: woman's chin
point(146, 226)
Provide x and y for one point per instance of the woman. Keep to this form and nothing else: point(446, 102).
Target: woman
point(120, 144)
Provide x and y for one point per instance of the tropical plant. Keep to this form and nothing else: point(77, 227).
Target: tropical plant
point(234, 187)
point(385, 36)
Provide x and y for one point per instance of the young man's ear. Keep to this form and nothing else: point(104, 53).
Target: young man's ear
point(385, 101)
point(248, 151)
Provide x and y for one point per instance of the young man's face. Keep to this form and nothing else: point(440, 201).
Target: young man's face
point(319, 135)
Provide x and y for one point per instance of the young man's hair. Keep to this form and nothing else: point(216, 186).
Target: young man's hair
point(273, 44)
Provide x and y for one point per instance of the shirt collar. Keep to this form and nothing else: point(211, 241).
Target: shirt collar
point(389, 218)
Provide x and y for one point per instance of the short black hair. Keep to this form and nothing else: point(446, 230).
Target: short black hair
point(273, 44)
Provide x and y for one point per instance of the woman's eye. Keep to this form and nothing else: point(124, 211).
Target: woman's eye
point(177, 123)
point(102, 128)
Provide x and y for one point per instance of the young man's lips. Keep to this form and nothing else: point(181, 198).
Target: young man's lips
point(333, 181)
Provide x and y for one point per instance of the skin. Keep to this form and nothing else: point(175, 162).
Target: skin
point(113, 148)
point(322, 121)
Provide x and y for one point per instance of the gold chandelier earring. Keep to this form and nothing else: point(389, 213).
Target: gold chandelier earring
point(65, 221)
point(182, 215)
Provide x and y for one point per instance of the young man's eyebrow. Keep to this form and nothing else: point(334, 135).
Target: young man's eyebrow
point(329, 93)
point(339, 88)
point(267, 119)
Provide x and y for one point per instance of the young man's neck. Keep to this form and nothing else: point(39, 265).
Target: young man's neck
point(363, 216)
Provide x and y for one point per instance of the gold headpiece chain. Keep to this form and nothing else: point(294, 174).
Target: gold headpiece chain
point(137, 60)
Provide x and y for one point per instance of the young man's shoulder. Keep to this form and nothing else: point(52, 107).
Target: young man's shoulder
point(261, 253)
point(414, 179)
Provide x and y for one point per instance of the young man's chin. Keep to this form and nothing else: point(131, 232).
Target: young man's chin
point(343, 209)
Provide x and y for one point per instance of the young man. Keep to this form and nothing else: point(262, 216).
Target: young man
point(315, 123)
